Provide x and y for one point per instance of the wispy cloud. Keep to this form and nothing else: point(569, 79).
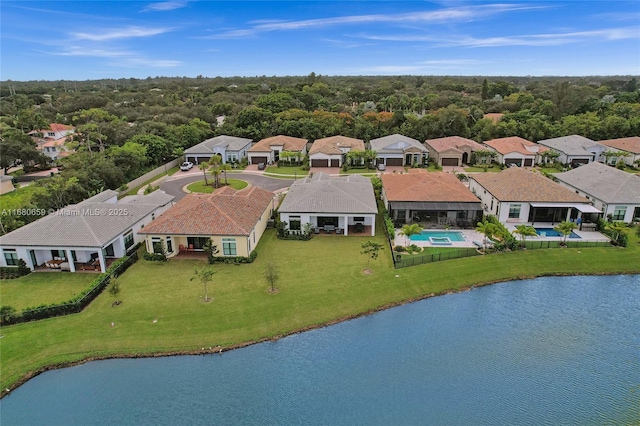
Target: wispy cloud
point(425, 66)
point(148, 63)
point(125, 58)
point(553, 39)
point(82, 51)
point(120, 33)
point(449, 15)
point(165, 6)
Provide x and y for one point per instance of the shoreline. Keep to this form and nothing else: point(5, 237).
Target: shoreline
point(220, 349)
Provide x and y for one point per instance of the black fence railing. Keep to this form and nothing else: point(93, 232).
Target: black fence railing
point(405, 261)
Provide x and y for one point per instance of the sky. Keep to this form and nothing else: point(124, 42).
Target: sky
point(85, 40)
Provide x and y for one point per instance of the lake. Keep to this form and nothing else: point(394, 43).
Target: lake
point(556, 350)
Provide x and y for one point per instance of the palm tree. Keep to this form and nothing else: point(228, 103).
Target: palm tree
point(224, 167)
point(525, 231)
point(616, 229)
point(204, 166)
point(215, 172)
point(409, 230)
point(565, 228)
point(487, 229)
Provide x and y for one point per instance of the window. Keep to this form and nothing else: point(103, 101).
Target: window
point(11, 257)
point(157, 245)
point(128, 239)
point(514, 211)
point(619, 212)
point(294, 223)
point(169, 245)
point(229, 246)
point(358, 219)
point(232, 157)
point(51, 134)
point(58, 254)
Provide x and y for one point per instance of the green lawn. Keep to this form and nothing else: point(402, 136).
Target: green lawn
point(476, 169)
point(322, 281)
point(134, 191)
point(287, 170)
point(201, 187)
point(40, 288)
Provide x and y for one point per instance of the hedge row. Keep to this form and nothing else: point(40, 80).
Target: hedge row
point(11, 272)
point(234, 260)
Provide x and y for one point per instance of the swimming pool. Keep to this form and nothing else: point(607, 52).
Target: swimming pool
point(453, 236)
point(550, 232)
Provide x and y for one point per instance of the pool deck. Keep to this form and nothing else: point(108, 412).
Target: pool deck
point(471, 235)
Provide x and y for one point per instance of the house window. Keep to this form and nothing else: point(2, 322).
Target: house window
point(294, 223)
point(619, 212)
point(358, 219)
point(58, 254)
point(232, 157)
point(51, 134)
point(156, 243)
point(197, 243)
point(169, 245)
point(514, 211)
point(11, 257)
point(128, 239)
point(229, 246)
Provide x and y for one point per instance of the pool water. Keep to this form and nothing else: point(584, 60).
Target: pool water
point(553, 233)
point(453, 236)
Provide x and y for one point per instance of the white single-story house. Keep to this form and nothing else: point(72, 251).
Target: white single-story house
point(268, 150)
point(231, 149)
point(399, 150)
point(516, 151)
point(345, 205)
point(629, 146)
point(614, 192)
point(519, 196)
point(575, 150)
point(86, 236)
point(332, 151)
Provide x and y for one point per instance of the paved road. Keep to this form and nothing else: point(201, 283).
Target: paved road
point(175, 183)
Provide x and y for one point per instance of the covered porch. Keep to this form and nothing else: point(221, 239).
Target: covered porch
point(342, 224)
point(436, 215)
point(584, 215)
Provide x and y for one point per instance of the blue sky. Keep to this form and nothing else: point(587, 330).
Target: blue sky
point(81, 40)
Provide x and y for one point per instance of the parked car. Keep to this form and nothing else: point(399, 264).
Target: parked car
point(187, 165)
point(381, 167)
point(260, 166)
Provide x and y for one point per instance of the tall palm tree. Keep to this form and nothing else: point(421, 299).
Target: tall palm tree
point(409, 230)
point(565, 228)
point(224, 167)
point(487, 229)
point(525, 231)
point(204, 166)
point(215, 172)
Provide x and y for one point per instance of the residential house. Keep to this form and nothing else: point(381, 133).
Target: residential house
point(6, 184)
point(516, 151)
point(399, 150)
point(268, 150)
point(452, 150)
point(345, 204)
point(630, 146)
point(615, 192)
point(332, 151)
point(517, 196)
point(52, 141)
point(233, 220)
point(575, 150)
point(434, 199)
point(231, 149)
point(86, 236)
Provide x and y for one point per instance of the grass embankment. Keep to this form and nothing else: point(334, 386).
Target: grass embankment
point(134, 191)
point(290, 171)
point(321, 282)
point(202, 187)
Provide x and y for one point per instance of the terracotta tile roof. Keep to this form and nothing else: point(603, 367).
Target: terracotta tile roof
point(332, 144)
point(419, 185)
point(455, 142)
point(631, 144)
point(516, 144)
point(518, 184)
point(60, 127)
point(224, 212)
point(289, 143)
point(494, 116)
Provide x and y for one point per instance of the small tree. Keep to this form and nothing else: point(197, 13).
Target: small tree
point(271, 276)
point(7, 314)
point(525, 231)
point(114, 289)
point(565, 228)
point(204, 166)
point(616, 229)
point(371, 249)
point(205, 276)
point(409, 230)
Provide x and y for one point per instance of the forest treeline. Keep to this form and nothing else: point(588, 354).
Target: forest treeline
point(126, 127)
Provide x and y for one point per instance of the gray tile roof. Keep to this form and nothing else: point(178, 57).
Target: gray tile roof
point(395, 143)
point(604, 182)
point(231, 143)
point(87, 224)
point(325, 194)
point(570, 145)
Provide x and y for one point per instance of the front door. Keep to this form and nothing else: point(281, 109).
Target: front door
point(34, 260)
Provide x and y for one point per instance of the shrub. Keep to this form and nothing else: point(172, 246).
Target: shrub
point(234, 259)
point(7, 314)
point(155, 257)
point(399, 249)
point(11, 272)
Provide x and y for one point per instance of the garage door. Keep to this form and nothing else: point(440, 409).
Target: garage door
point(528, 162)
point(394, 161)
point(580, 162)
point(335, 163)
point(516, 161)
point(258, 160)
point(319, 163)
point(449, 161)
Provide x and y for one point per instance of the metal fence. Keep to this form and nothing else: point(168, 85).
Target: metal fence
point(533, 245)
point(404, 261)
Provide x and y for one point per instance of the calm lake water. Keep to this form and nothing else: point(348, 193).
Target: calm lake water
point(547, 351)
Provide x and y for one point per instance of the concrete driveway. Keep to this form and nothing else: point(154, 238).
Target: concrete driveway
point(174, 184)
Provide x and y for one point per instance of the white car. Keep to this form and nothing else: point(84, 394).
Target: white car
point(187, 165)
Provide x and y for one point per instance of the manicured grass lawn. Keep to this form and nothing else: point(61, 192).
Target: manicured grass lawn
point(201, 187)
point(42, 288)
point(287, 170)
point(321, 281)
point(476, 169)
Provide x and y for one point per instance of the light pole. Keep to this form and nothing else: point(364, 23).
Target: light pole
point(164, 160)
point(295, 174)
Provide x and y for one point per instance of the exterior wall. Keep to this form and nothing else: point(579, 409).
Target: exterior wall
point(382, 158)
point(323, 156)
point(43, 254)
point(344, 219)
point(153, 173)
point(517, 156)
point(268, 154)
point(6, 186)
